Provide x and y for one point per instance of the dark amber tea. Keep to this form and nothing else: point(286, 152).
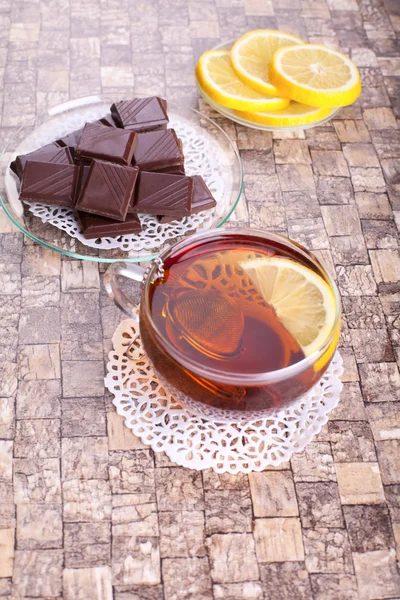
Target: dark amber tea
point(235, 317)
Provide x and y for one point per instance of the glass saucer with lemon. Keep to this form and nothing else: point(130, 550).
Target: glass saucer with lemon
point(273, 80)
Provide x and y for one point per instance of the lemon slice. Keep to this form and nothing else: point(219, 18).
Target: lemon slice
point(252, 53)
point(303, 301)
point(315, 75)
point(295, 114)
point(215, 75)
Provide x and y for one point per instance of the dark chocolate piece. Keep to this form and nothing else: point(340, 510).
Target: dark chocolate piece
point(141, 114)
point(108, 121)
point(13, 167)
point(202, 198)
point(50, 153)
point(163, 219)
point(97, 227)
point(107, 143)
point(157, 149)
point(175, 170)
point(81, 180)
point(71, 139)
point(50, 183)
point(161, 194)
point(108, 190)
point(75, 158)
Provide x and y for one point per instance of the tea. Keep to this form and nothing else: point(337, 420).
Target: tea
point(216, 309)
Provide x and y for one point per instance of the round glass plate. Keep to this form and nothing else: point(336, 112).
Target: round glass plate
point(208, 152)
point(230, 114)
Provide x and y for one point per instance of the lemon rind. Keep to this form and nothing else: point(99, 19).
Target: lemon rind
point(229, 100)
point(255, 82)
point(334, 97)
point(284, 121)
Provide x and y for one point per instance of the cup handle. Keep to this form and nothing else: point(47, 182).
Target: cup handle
point(110, 283)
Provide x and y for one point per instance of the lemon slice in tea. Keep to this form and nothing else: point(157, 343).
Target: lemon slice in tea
point(303, 301)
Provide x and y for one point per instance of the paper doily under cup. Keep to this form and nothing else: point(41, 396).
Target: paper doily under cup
point(201, 442)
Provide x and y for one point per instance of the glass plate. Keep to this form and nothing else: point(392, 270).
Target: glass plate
point(230, 114)
point(208, 152)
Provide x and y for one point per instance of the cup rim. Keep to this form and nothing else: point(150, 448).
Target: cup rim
point(233, 378)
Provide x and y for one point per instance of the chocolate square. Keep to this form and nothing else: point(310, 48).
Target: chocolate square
point(108, 190)
point(162, 194)
point(157, 150)
point(106, 143)
point(50, 153)
point(94, 226)
point(202, 199)
point(50, 183)
point(141, 114)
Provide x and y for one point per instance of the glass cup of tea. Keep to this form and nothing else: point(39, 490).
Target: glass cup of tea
point(237, 323)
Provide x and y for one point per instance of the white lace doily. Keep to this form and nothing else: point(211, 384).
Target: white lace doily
point(199, 442)
point(202, 157)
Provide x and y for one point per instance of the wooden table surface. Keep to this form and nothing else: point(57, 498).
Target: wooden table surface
point(86, 511)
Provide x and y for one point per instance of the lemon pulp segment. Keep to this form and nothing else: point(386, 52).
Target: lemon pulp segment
point(315, 75)
point(216, 77)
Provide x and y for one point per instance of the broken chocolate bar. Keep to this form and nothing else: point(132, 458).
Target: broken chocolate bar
point(95, 227)
point(162, 194)
point(141, 114)
point(108, 190)
point(106, 143)
point(50, 153)
point(157, 150)
point(50, 183)
point(202, 199)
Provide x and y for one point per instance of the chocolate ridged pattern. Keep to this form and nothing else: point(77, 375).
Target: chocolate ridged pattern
point(140, 114)
point(50, 153)
point(115, 180)
point(62, 157)
point(108, 190)
point(107, 143)
point(157, 149)
point(129, 110)
point(95, 132)
point(51, 183)
point(202, 198)
point(71, 139)
point(174, 199)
